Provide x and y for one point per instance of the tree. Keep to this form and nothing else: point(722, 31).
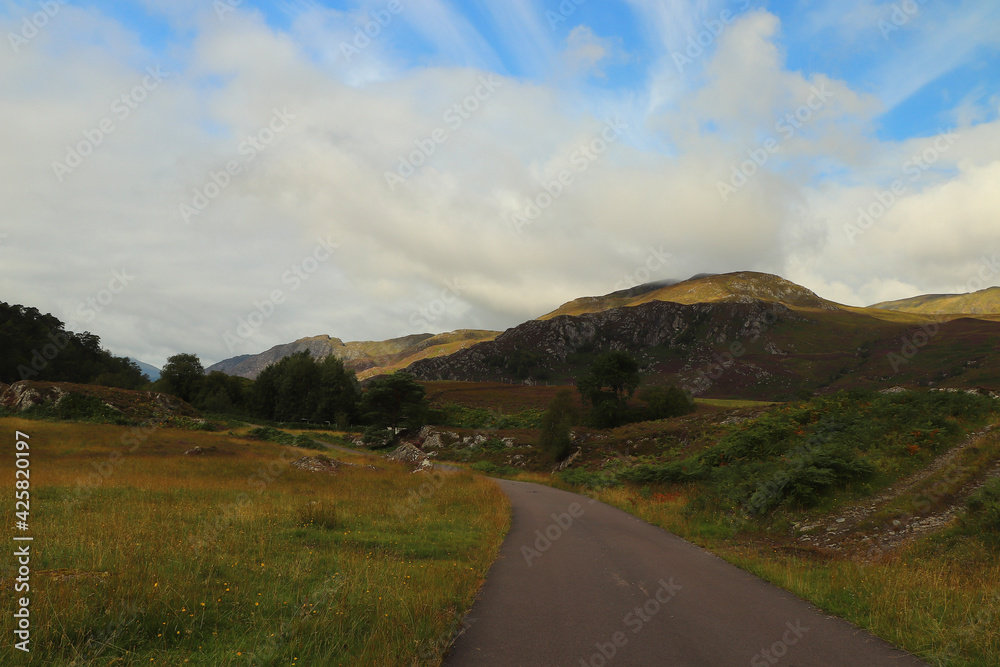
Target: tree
point(556, 422)
point(610, 382)
point(183, 375)
point(299, 387)
point(664, 402)
point(36, 346)
point(395, 401)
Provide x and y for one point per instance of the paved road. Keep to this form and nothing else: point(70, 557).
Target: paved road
point(594, 586)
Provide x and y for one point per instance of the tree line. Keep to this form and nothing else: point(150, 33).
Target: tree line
point(37, 346)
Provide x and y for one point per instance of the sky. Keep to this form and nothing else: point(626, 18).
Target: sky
point(220, 176)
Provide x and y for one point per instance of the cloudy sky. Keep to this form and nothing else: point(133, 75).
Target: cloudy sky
point(220, 176)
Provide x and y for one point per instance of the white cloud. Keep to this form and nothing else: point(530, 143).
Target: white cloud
point(324, 175)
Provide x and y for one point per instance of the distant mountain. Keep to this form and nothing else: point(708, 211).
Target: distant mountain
point(735, 335)
point(152, 371)
point(740, 287)
point(741, 334)
point(983, 302)
point(367, 358)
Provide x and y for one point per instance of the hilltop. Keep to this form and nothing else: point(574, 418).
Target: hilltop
point(983, 302)
point(738, 287)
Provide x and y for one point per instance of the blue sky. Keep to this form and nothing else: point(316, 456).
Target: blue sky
point(727, 135)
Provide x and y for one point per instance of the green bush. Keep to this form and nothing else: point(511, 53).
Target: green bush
point(804, 477)
point(593, 480)
point(984, 509)
point(490, 468)
point(270, 434)
point(304, 441)
point(460, 416)
point(376, 437)
point(77, 407)
point(797, 454)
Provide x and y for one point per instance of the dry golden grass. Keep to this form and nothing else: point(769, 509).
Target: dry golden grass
point(143, 555)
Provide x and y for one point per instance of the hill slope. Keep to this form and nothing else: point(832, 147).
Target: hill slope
point(367, 358)
point(739, 287)
point(983, 302)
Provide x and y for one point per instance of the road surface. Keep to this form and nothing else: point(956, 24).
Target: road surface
point(582, 584)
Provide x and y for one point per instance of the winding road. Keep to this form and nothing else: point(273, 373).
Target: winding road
point(582, 584)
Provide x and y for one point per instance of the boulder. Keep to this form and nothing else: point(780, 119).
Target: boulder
point(433, 441)
point(407, 453)
point(316, 464)
point(22, 396)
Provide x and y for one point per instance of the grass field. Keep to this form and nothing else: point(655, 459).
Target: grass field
point(145, 555)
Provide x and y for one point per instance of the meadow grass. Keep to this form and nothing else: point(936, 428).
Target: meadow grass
point(144, 555)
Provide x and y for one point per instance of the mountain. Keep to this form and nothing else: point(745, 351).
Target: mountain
point(744, 334)
point(735, 335)
point(983, 302)
point(367, 358)
point(152, 371)
point(740, 287)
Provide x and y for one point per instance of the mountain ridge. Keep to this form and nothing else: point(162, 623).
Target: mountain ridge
point(687, 330)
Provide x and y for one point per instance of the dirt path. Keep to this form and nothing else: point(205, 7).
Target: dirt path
point(932, 504)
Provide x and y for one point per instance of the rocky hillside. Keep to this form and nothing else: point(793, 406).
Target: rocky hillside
point(367, 358)
point(133, 405)
point(554, 342)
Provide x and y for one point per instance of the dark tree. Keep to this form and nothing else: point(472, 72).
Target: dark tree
point(559, 417)
point(395, 401)
point(183, 375)
point(299, 387)
point(610, 382)
point(665, 402)
point(36, 346)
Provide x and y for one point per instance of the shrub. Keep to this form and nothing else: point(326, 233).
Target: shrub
point(304, 441)
point(270, 434)
point(490, 468)
point(984, 508)
point(556, 422)
point(593, 480)
point(377, 437)
point(807, 475)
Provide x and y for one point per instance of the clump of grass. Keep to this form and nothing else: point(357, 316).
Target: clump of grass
point(324, 516)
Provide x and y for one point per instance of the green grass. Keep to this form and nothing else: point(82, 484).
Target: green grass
point(461, 416)
point(732, 403)
point(143, 555)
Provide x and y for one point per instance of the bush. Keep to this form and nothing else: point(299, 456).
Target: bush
point(593, 480)
point(984, 508)
point(377, 437)
point(77, 407)
point(490, 468)
point(270, 434)
point(304, 441)
point(556, 423)
point(665, 402)
point(807, 475)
